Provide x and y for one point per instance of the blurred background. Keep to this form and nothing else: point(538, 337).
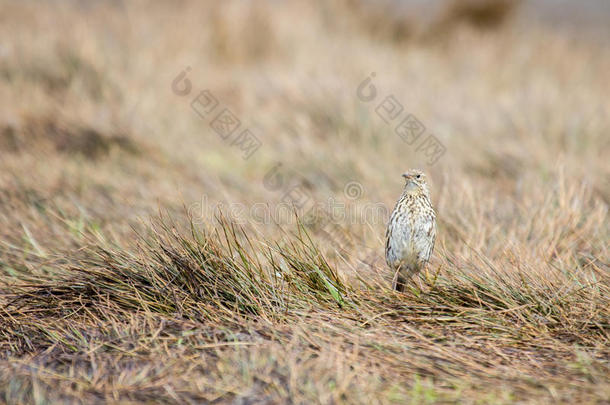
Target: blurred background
point(113, 113)
point(114, 110)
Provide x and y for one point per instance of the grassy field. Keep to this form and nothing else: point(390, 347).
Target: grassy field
point(152, 250)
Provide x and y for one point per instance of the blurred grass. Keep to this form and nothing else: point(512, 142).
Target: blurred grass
point(104, 299)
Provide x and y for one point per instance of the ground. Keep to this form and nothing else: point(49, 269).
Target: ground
point(193, 199)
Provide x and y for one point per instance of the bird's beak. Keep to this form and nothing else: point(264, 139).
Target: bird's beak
point(405, 175)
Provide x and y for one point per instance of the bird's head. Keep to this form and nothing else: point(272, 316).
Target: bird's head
point(415, 180)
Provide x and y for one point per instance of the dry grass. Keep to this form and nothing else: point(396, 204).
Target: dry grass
point(114, 289)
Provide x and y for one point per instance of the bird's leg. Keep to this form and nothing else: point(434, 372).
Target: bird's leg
point(395, 279)
point(401, 283)
point(419, 285)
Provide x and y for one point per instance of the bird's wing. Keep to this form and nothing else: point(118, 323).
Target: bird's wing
point(398, 241)
point(425, 234)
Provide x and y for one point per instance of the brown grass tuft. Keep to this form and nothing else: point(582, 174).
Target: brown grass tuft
point(215, 302)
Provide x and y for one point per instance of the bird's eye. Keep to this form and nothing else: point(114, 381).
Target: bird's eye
point(418, 176)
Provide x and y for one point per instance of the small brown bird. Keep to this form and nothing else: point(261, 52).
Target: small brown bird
point(411, 230)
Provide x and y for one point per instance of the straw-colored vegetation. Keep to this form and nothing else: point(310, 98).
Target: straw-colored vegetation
point(118, 283)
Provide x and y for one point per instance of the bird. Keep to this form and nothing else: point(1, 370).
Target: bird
point(411, 230)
